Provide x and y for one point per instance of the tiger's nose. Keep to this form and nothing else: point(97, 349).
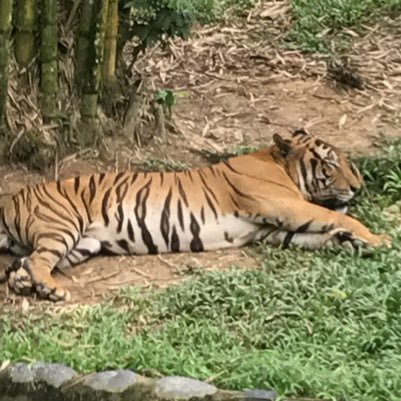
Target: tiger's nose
point(353, 189)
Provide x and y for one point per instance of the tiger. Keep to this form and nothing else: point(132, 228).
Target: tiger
point(293, 192)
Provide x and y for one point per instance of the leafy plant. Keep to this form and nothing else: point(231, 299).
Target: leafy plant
point(166, 98)
point(158, 20)
point(382, 173)
point(393, 184)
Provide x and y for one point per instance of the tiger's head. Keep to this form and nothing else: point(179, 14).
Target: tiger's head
point(322, 172)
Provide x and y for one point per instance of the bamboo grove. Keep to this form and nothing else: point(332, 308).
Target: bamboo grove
point(30, 43)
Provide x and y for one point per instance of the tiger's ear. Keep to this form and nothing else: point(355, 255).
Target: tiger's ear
point(284, 145)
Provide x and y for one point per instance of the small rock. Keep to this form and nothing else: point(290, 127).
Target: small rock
point(260, 395)
point(113, 381)
point(182, 388)
point(53, 374)
point(21, 373)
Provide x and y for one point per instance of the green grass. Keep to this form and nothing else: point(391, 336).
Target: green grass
point(207, 11)
point(317, 22)
point(383, 172)
point(309, 324)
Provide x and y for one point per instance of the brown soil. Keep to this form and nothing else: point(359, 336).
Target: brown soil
point(239, 89)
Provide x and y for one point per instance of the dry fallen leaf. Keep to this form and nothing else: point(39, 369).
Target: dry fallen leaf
point(375, 118)
point(4, 364)
point(366, 108)
point(252, 98)
point(24, 306)
point(205, 129)
point(163, 76)
point(342, 121)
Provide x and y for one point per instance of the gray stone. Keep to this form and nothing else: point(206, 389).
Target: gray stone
point(113, 381)
point(176, 387)
point(259, 395)
point(21, 373)
point(53, 374)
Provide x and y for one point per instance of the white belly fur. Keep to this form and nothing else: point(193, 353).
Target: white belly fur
point(226, 232)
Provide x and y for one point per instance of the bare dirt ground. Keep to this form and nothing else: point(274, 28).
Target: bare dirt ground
point(240, 87)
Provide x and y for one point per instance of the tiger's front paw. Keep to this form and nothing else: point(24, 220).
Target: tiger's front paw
point(18, 279)
point(380, 240)
point(25, 280)
point(346, 239)
point(54, 294)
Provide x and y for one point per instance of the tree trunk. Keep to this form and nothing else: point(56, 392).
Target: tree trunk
point(92, 84)
point(111, 89)
point(48, 56)
point(110, 45)
point(6, 7)
point(25, 35)
point(83, 41)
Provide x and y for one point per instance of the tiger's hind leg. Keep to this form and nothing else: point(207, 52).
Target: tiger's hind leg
point(333, 238)
point(25, 278)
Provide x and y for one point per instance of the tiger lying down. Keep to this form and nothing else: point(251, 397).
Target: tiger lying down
point(289, 193)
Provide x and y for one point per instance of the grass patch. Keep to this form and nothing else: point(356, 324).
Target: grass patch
point(207, 11)
point(383, 172)
point(309, 324)
point(317, 22)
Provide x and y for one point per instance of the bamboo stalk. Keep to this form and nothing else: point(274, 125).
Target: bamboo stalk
point(83, 40)
point(5, 29)
point(92, 84)
point(110, 45)
point(25, 35)
point(48, 56)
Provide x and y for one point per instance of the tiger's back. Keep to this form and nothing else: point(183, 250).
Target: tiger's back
point(149, 213)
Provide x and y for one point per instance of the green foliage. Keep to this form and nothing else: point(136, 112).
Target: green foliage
point(316, 21)
point(203, 11)
point(166, 98)
point(206, 11)
point(158, 20)
point(382, 173)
